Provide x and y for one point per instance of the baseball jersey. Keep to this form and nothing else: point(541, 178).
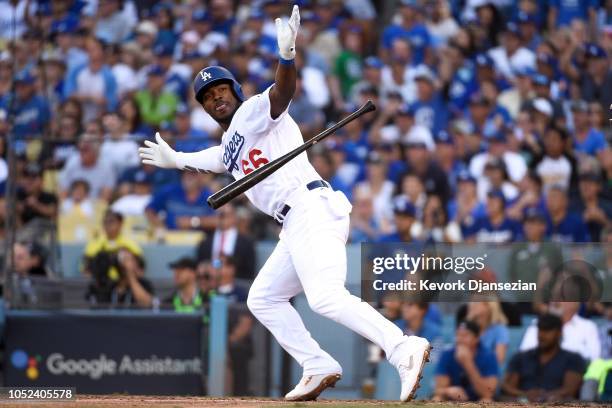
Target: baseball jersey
point(252, 140)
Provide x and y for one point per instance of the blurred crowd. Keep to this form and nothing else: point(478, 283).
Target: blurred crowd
point(491, 126)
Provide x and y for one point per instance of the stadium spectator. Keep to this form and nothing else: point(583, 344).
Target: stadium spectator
point(494, 335)
point(555, 167)
point(135, 190)
point(106, 247)
point(28, 261)
point(128, 109)
point(117, 149)
point(364, 227)
point(434, 225)
point(186, 138)
point(380, 189)
point(32, 202)
point(414, 321)
point(429, 107)
point(181, 204)
point(78, 200)
point(497, 147)
point(563, 224)
point(113, 24)
point(587, 140)
point(468, 371)
point(579, 334)
point(511, 56)
point(597, 78)
point(308, 117)
point(495, 178)
point(90, 166)
point(187, 297)
point(129, 290)
point(227, 241)
point(93, 83)
point(404, 217)
point(494, 226)
point(30, 109)
point(595, 211)
point(155, 104)
point(546, 373)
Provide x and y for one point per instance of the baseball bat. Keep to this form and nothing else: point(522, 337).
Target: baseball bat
point(238, 187)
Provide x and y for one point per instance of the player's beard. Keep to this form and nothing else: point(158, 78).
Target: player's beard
point(227, 119)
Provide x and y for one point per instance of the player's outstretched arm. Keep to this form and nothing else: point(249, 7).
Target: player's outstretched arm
point(160, 154)
point(284, 81)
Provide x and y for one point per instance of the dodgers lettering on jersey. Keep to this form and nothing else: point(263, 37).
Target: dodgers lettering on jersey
point(254, 139)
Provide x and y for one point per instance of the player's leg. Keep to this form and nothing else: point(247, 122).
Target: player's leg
point(275, 284)
point(316, 239)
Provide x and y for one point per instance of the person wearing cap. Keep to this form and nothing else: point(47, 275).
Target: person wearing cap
point(394, 122)
point(556, 166)
point(511, 55)
point(495, 177)
point(465, 207)
point(30, 109)
point(546, 373)
point(186, 297)
point(514, 98)
point(564, 225)
point(135, 190)
point(595, 211)
point(495, 226)
point(587, 140)
point(410, 28)
point(146, 33)
point(380, 188)
point(156, 104)
point(414, 320)
point(429, 107)
point(32, 201)
point(497, 148)
point(89, 165)
point(113, 24)
point(173, 82)
point(447, 157)
point(404, 218)
point(186, 137)
point(468, 371)
point(371, 77)
point(95, 99)
point(596, 85)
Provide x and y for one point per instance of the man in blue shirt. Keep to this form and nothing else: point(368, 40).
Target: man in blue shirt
point(411, 29)
point(30, 109)
point(546, 373)
point(429, 109)
point(174, 83)
point(495, 226)
point(468, 371)
point(182, 205)
point(563, 225)
point(587, 140)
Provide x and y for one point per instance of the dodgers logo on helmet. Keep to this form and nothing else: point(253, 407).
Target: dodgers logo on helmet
point(212, 75)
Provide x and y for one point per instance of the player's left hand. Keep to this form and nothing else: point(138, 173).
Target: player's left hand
point(286, 34)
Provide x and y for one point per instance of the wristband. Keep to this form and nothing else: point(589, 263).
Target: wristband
point(283, 61)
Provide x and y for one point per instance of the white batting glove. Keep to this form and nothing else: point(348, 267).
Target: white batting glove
point(158, 154)
point(286, 33)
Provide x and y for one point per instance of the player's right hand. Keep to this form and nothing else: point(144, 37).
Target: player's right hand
point(158, 154)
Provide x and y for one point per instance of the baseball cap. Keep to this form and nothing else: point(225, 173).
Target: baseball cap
point(534, 214)
point(25, 75)
point(465, 176)
point(402, 206)
point(524, 71)
point(32, 170)
point(443, 137)
point(546, 59)
point(470, 326)
point(182, 109)
point(590, 176)
point(406, 110)
point(183, 263)
point(497, 137)
point(579, 106)
point(156, 70)
point(373, 62)
point(540, 79)
point(478, 99)
point(424, 73)
point(67, 25)
point(163, 50)
point(141, 177)
point(419, 136)
point(525, 18)
point(543, 106)
point(147, 27)
point(483, 60)
point(497, 194)
point(495, 163)
point(374, 158)
point(513, 28)
point(549, 321)
point(595, 51)
point(200, 16)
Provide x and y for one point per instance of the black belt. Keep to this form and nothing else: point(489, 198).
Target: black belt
point(310, 186)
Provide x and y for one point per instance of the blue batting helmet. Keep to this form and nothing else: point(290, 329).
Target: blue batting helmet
point(210, 76)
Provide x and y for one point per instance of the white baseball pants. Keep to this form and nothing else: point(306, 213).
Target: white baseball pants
point(311, 256)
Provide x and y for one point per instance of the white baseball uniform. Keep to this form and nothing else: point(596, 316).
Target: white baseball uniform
point(311, 253)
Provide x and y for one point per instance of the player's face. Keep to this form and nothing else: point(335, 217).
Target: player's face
point(220, 103)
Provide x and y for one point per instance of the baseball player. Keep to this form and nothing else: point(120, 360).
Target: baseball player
point(310, 255)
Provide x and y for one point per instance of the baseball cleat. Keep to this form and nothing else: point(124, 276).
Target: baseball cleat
point(310, 386)
point(415, 352)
